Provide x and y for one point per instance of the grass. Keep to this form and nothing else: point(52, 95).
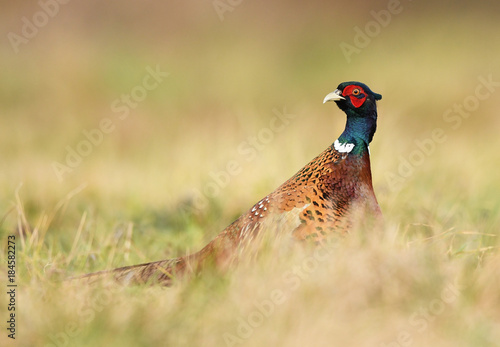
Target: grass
point(430, 278)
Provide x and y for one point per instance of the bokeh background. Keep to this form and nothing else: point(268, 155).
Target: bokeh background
point(154, 187)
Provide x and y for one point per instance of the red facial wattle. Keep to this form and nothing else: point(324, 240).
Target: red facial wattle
point(356, 94)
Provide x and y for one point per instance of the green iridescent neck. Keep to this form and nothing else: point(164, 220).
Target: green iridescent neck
point(359, 130)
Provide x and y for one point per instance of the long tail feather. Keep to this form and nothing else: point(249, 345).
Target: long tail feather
point(162, 272)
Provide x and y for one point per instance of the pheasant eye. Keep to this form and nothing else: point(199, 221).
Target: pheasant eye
point(356, 91)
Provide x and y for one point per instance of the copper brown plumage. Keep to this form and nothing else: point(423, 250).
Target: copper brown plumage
point(327, 196)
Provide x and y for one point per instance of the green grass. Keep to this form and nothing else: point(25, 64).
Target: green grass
point(430, 278)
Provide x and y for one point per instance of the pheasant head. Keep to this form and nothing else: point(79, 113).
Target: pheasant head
point(358, 101)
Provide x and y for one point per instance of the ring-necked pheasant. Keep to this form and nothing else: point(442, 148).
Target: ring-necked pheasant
point(327, 196)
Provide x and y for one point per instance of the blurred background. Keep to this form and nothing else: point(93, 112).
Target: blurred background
point(229, 65)
point(149, 119)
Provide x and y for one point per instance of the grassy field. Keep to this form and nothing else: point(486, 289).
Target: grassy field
point(133, 132)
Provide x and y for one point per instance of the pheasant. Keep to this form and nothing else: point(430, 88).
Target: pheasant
point(327, 196)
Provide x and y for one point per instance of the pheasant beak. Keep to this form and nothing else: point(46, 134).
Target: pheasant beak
point(334, 96)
